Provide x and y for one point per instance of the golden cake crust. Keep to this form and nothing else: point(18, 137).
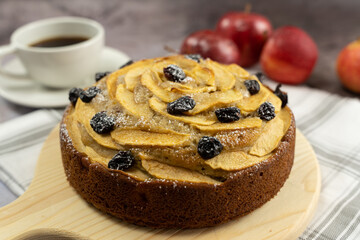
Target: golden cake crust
point(162, 203)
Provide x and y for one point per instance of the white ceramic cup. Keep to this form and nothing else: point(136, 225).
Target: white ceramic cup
point(56, 67)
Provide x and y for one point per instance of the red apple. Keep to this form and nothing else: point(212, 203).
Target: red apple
point(211, 45)
point(348, 66)
point(289, 55)
point(249, 31)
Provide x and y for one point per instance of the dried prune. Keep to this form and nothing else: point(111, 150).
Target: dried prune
point(88, 94)
point(259, 76)
point(252, 86)
point(102, 123)
point(174, 73)
point(122, 160)
point(195, 57)
point(266, 111)
point(181, 105)
point(209, 147)
point(126, 64)
point(227, 115)
point(74, 94)
point(100, 75)
point(282, 95)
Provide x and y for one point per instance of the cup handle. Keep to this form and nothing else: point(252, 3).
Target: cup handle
point(4, 51)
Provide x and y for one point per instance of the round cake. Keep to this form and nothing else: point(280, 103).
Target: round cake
point(177, 142)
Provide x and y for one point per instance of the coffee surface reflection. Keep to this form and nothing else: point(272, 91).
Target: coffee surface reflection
point(58, 42)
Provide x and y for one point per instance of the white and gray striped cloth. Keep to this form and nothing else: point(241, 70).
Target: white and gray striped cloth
point(331, 123)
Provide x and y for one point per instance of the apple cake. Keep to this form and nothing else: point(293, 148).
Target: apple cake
point(177, 142)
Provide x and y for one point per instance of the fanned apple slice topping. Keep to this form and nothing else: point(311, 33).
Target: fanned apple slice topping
point(127, 101)
point(74, 132)
point(241, 138)
point(84, 113)
point(112, 80)
point(137, 174)
point(159, 66)
point(132, 77)
point(145, 138)
point(183, 62)
point(198, 98)
point(202, 76)
point(275, 101)
point(206, 101)
point(285, 116)
point(269, 139)
point(152, 82)
point(242, 123)
point(237, 71)
point(133, 171)
point(252, 103)
point(187, 89)
point(165, 171)
point(95, 156)
point(199, 80)
point(224, 80)
point(90, 142)
point(234, 161)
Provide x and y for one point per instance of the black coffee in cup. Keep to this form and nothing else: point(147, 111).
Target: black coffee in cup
point(58, 42)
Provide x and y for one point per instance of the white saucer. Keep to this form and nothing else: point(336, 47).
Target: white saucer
point(28, 93)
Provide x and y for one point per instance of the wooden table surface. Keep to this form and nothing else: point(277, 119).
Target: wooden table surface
point(142, 28)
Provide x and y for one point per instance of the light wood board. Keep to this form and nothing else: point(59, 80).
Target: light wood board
point(51, 209)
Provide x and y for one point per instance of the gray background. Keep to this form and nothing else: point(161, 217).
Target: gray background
point(142, 28)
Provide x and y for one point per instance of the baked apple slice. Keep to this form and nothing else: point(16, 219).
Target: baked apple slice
point(165, 171)
point(238, 138)
point(112, 80)
point(237, 71)
point(242, 123)
point(224, 80)
point(152, 82)
point(84, 113)
point(132, 77)
point(253, 102)
point(127, 101)
point(145, 138)
point(269, 139)
point(234, 161)
point(205, 101)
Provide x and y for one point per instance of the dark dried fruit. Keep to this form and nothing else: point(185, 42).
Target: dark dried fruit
point(121, 161)
point(102, 123)
point(282, 95)
point(174, 73)
point(126, 64)
point(181, 105)
point(88, 94)
point(195, 57)
point(259, 76)
point(74, 94)
point(227, 115)
point(252, 86)
point(100, 75)
point(266, 111)
point(209, 147)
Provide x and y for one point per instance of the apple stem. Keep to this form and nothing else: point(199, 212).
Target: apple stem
point(170, 49)
point(247, 8)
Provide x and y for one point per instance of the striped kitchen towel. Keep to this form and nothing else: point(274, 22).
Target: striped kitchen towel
point(331, 124)
point(20, 143)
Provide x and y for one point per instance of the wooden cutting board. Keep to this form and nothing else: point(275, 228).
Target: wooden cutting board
point(51, 209)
